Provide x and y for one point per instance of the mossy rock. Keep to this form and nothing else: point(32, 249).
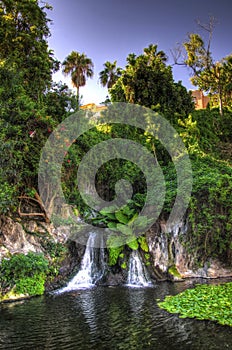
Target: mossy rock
point(174, 273)
point(12, 295)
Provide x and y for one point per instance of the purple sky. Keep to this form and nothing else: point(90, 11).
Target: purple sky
point(111, 29)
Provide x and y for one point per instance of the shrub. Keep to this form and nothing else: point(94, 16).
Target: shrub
point(26, 272)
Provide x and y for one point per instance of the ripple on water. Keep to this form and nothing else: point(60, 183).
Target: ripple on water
point(106, 318)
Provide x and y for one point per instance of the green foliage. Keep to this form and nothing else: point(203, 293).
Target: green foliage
point(59, 101)
point(30, 285)
point(210, 212)
point(143, 244)
point(205, 131)
point(80, 67)
point(26, 272)
point(173, 271)
point(60, 221)
point(109, 173)
point(114, 248)
point(124, 265)
point(7, 199)
point(133, 244)
point(170, 177)
point(114, 254)
point(206, 135)
point(23, 43)
point(24, 128)
point(53, 249)
point(122, 220)
point(203, 303)
point(209, 75)
point(147, 81)
point(121, 217)
point(110, 74)
point(31, 107)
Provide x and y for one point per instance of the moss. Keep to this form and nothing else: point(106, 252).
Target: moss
point(12, 295)
point(172, 270)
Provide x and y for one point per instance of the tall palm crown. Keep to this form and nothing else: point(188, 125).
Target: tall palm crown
point(151, 53)
point(80, 67)
point(110, 74)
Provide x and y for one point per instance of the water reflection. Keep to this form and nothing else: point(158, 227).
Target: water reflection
point(106, 318)
point(87, 303)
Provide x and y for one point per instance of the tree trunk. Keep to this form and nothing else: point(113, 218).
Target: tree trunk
point(220, 93)
point(220, 101)
point(78, 102)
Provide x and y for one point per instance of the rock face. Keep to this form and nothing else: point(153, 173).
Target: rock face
point(170, 258)
point(18, 237)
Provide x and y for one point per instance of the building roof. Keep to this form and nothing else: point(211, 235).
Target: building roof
point(93, 107)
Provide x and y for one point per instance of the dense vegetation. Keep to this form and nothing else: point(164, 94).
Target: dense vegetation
point(31, 106)
point(25, 273)
point(205, 302)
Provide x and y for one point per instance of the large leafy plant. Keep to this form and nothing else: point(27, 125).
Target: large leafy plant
point(121, 223)
point(203, 303)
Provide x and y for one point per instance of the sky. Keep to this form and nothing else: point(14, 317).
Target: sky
point(108, 30)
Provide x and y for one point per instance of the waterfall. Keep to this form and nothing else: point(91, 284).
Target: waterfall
point(92, 265)
point(137, 274)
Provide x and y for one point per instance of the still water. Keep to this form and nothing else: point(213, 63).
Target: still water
point(106, 318)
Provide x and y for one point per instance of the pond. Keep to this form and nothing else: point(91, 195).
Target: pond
point(106, 318)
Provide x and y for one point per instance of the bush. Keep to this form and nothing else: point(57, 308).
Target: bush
point(26, 272)
point(7, 199)
point(31, 285)
point(209, 213)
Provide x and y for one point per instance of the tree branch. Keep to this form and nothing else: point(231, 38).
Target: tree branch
point(38, 201)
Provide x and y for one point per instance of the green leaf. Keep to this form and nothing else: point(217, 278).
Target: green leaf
point(114, 241)
point(112, 225)
point(121, 217)
point(133, 218)
point(143, 243)
point(108, 210)
point(204, 302)
point(126, 230)
point(123, 265)
point(132, 243)
point(108, 215)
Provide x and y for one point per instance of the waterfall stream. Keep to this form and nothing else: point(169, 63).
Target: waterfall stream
point(137, 274)
point(92, 265)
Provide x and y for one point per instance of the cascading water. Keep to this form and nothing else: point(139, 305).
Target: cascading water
point(137, 274)
point(92, 266)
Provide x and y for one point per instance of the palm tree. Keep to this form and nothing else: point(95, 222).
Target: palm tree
point(131, 59)
point(110, 74)
point(152, 53)
point(80, 67)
